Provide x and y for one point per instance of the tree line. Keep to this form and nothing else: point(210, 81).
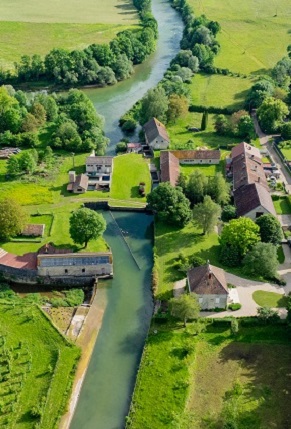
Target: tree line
point(98, 64)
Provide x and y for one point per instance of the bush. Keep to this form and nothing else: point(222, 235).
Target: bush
point(235, 306)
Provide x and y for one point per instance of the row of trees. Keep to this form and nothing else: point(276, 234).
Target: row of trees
point(102, 65)
point(239, 124)
point(70, 120)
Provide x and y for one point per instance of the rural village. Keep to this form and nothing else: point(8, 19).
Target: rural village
point(145, 215)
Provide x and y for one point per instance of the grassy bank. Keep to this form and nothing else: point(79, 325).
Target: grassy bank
point(181, 373)
point(37, 381)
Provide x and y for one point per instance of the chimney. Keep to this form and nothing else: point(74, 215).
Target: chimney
point(93, 153)
point(259, 179)
point(72, 176)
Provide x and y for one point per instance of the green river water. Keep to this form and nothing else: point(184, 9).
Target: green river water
point(107, 389)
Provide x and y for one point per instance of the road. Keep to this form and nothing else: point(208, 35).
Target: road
point(265, 141)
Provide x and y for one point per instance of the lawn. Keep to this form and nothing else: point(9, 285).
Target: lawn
point(181, 138)
point(282, 205)
point(180, 374)
point(207, 170)
point(219, 91)
point(254, 35)
point(40, 370)
point(73, 25)
point(269, 299)
point(287, 153)
point(128, 171)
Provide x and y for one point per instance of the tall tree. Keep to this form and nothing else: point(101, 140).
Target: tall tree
point(196, 186)
point(185, 307)
point(271, 114)
point(12, 218)
point(86, 225)
point(204, 121)
point(219, 189)
point(241, 233)
point(206, 214)
point(270, 229)
point(262, 260)
point(154, 104)
point(178, 106)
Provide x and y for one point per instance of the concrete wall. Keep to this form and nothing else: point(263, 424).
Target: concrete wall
point(159, 143)
point(75, 271)
point(199, 161)
point(253, 213)
point(209, 302)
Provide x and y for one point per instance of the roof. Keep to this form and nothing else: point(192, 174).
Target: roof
point(154, 128)
point(25, 262)
point(134, 145)
point(99, 160)
point(249, 197)
point(170, 167)
point(34, 229)
point(248, 169)
point(82, 181)
point(245, 148)
point(196, 154)
point(207, 280)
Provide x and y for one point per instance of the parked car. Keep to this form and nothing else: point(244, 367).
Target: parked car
point(194, 129)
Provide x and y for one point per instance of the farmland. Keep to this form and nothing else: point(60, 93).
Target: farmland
point(37, 366)
point(74, 25)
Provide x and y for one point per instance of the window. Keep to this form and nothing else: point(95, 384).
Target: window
point(200, 160)
point(66, 271)
point(217, 300)
point(210, 160)
point(83, 270)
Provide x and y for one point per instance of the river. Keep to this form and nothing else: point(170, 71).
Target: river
point(113, 101)
point(106, 392)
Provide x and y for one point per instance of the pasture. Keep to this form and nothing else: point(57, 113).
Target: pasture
point(37, 26)
point(255, 34)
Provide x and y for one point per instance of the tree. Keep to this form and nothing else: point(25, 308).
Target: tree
point(262, 260)
point(245, 127)
point(286, 131)
point(204, 121)
point(196, 186)
point(267, 315)
point(259, 92)
point(241, 233)
point(27, 162)
point(185, 307)
point(38, 111)
point(234, 327)
point(170, 204)
point(12, 219)
point(221, 125)
point(228, 213)
point(154, 104)
point(271, 113)
point(13, 167)
point(270, 229)
point(206, 214)
point(10, 115)
point(86, 225)
point(29, 123)
point(178, 106)
point(219, 189)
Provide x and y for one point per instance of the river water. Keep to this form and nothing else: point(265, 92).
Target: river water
point(106, 392)
point(112, 102)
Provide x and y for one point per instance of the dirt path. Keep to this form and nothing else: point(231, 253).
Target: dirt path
point(86, 341)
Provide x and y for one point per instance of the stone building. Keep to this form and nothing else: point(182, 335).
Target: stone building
point(156, 135)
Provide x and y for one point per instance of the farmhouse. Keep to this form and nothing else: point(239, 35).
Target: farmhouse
point(77, 184)
point(134, 148)
point(156, 135)
point(209, 284)
point(99, 169)
point(170, 162)
point(250, 187)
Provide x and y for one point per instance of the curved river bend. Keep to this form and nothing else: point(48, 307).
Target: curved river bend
point(106, 392)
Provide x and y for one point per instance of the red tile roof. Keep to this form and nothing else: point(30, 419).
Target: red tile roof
point(207, 280)
point(245, 148)
point(170, 168)
point(25, 262)
point(196, 154)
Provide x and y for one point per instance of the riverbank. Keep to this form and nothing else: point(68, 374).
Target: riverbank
point(86, 341)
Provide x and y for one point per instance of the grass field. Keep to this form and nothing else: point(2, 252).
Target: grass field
point(255, 34)
point(40, 369)
point(208, 170)
point(187, 379)
point(269, 299)
point(219, 91)
point(181, 138)
point(129, 170)
point(73, 25)
point(287, 153)
point(282, 206)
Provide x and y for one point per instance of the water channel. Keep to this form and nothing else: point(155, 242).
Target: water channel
point(106, 392)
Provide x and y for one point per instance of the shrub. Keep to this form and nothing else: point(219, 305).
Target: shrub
point(235, 306)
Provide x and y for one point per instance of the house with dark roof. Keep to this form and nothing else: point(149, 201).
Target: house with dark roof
point(170, 162)
point(77, 184)
point(250, 187)
point(209, 284)
point(156, 135)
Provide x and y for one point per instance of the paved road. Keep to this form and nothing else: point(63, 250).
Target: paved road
point(264, 140)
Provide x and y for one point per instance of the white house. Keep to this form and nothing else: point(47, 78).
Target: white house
point(156, 135)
